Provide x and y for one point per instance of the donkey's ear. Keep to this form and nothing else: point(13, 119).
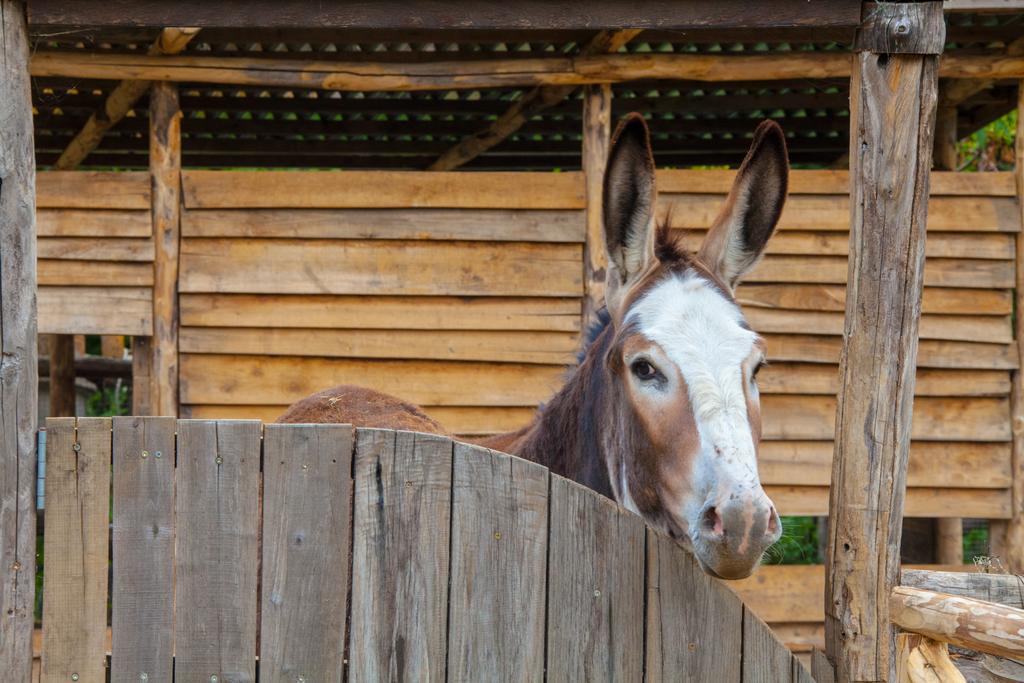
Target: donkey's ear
point(628, 206)
point(740, 232)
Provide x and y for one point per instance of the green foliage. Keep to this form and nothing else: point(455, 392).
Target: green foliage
point(991, 148)
point(799, 542)
point(107, 402)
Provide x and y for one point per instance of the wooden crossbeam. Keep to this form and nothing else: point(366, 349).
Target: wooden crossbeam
point(120, 101)
point(483, 74)
point(526, 107)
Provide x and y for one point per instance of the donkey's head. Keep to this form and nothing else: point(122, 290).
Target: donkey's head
point(682, 363)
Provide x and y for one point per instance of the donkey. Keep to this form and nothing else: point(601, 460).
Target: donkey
point(663, 412)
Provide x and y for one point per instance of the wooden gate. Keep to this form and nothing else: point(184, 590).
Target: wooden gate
point(463, 563)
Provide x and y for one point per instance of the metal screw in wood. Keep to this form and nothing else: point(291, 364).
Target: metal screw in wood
point(77, 447)
point(145, 454)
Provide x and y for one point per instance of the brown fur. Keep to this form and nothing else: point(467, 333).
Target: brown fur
point(360, 407)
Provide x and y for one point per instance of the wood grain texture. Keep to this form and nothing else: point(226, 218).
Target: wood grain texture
point(307, 499)
point(76, 549)
point(496, 609)
point(19, 379)
point(597, 131)
point(372, 267)
point(62, 376)
point(165, 174)
point(595, 587)
point(142, 595)
point(919, 501)
point(500, 225)
point(142, 403)
point(381, 312)
point(95, 310)
point(402, 515)
point(932, 353)
point(94, 249)
point(216, 555)
point(832, 298)
point(107, 223)
point(918, 29)
point(93, 190)
point(1004, 589)
point(922, 660)
point(893, 100)
point(363, 190)
point(765, 658)
point(694, 623)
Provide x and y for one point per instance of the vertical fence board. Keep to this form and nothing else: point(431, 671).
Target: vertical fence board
point(595, 627)
point(800, 672)
point(765, 659)
point(306, 503)
point(75, 550)
point(143, 537)
point(498, 575)
point(216, 511)
point(694, 624)
point(400, 538)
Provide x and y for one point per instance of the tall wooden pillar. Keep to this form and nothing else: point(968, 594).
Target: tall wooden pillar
point(62, 375)
point(893, 93)
point(597, 122)
point(19, 371)
point(165, 176)
point(1013, 548)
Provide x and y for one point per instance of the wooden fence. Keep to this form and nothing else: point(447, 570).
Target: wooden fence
point(462, 292)
point(233, 546)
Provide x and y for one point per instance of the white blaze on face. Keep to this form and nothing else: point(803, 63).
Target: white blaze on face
point(703, 334)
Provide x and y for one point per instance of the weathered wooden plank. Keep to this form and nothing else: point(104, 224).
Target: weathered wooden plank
point(1004, 589)
point(810, 378)
point(765, 659)
point(832, 213)
point(141, 403)
point(401, 527)
point(499, 550)
point(381, 312)
point(935, 419)
point(95, 310)
point(835, 181)
point(553, 348)
point(932, 353)
point(595, 587)
point(502, 225)
point(986, 329)
point(374, 267)
point(95, 249)
point(95, 273)
point(937, 272)
point(207, 378)
point(93, 190)
point(824, 297)
point(694, 623)
point(597, 117)
point(62, 376)
point(919, 502)
point(381, 190)
point(18, 348)
point(165, 175)
point(217, 513)
point(920, 658)
point(143, 538)
point(76, 549)
point(932, 464)
point(112, 223)
point(306, 515)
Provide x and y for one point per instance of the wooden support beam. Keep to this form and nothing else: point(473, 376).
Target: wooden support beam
point(973, 624)
point(956, 91)
point(482, 74)
point(920, 659)
point(165, 174)
point(1004, 589)
point(597, 121)
point(19, 378)
point(530, 104)
point(949, 540)
point(62, 375)
point(892, 107)
point(1014, 539)
point(120, 101)
point(142, 373)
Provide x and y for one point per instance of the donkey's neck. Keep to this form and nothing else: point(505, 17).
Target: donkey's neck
point(566, 434)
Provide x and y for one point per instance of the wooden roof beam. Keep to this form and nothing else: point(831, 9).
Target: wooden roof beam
point(526, 107)
point(120, 101)
point(486, 74)
point(955, 92)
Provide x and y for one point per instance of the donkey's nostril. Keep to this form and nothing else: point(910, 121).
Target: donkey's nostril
point(773, 521)
point(711, 521)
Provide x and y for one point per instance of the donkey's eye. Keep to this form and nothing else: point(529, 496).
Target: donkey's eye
point(644, 370)
point(757, 369)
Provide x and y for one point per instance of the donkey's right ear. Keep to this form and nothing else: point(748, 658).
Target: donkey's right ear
point(628, 205)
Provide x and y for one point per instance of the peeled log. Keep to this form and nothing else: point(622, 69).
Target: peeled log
point(973, 624)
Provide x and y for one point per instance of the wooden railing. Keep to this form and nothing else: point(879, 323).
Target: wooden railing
point(321, 550)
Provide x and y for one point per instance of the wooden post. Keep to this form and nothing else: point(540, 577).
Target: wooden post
point(1013, 549)
point(597, 122)
point(893, 93)
point(19, 377)
point(142, 375)
point(62, 375)
point(165, 176)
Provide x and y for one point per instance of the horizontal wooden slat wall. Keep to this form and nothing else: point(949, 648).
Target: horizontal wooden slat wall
point(95, 251)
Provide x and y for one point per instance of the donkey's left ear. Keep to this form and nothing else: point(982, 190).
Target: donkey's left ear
point(740, 232)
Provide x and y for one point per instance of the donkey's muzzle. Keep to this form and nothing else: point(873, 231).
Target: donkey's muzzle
point(732, 537)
